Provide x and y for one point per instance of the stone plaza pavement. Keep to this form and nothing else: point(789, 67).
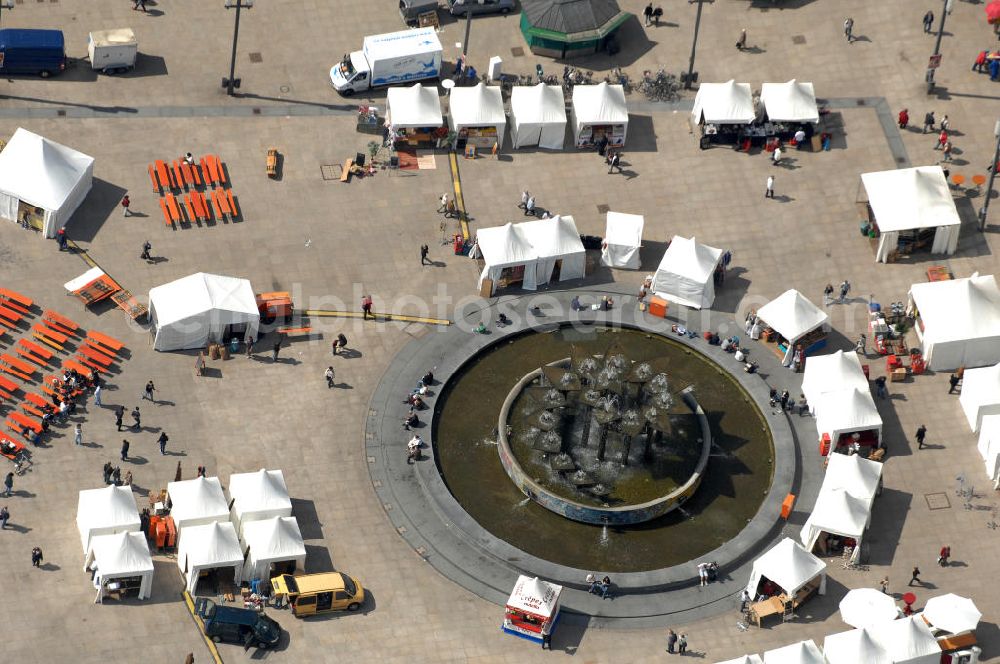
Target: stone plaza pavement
point(329, 243)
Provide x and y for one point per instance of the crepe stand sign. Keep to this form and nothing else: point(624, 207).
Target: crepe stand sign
point(532, 609)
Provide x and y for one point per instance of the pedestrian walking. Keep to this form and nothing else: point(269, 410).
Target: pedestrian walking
point(524, 199)
point(162, 441)
point(915, 577)
point(745, 600)
point(769, 192)
point(4, 516)
point(945, 123)
point(136, 419)
point(148, 392)
point(340, 343)
point(275, 350)
point(146, 247)
point(928, 21)
point(78, 434)
point(657, 15)
point(444, 203)
point(904, 118)
point(125, 203)
point(845, 288)
point(776, 155)
point(62, 239)
point(36, 557)
point(128, 478)
point(952, 383)
point(423, 254)
point(139, 4)
point(944, 556)
point(125, 445)
point(329, 377)
point(366, 301)
point(201, 472)
point(828, 295)
point(250, 346)
point(861, 348)
point(741, 43)
point(529, 206)
point(671, 641)
point(116, 476)
point(107, 472)
point(929, 122)
point(8, 484)
point(921, 434)
point(602, 144)
point(97, 395)
point(119, 414)
point(941, 140)
point(647, 13)
point(881, 391)
point(947, 151)
point(849, 29)
point(884, 585)
point(682, 644)
point(615, 161)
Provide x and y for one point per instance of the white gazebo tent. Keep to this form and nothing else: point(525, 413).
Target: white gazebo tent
point(686, 273)
point(207, 547)
point(745, 659)
point(854, 647)
point(906, 200)
point(538, 116)
point(508, 255)
point(121, 556)
point(622, 240)
point(980, 394)
point(105, 512)
point(836, 512)
point(858, 476)
point(989, 447)
point(793, 316)
point(477, 114)
point(794, 101)
point(599, 110)
point(273, 545)
point(39, 174)
point(724, 103)
point(829, 373)
point(907, 641)
point(959, 322)
point(791, 567)
point(556, 243)
point(846, 412)
point(259, 495)
point(414, 107)
point(199, 308)
point(803, 652)
point(197, 502)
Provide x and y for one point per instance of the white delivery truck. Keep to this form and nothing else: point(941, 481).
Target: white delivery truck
point(397, 57)
point(112, 51)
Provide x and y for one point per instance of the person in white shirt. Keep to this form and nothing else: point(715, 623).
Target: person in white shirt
point(776, 155)
point(413, 449)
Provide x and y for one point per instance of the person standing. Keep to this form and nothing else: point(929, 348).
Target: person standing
point(944, 556)
point(275, 350)
point(671, 641)
point(921, 434)
point(524, 199)
point(828, 295)
point(682, 644)
point(78, 434)
point(125, 445)
point(366, 301)
point(36, 557)
point(339, 343)
point(928, 21)
point(929, 122)
point(107, 472)
point(980, 62)
point(947, 151)
point(136, 419)
point(952, 383)
point(884, 585)
point(904, 118)
point(745, 600)
point(162, 440)
point(125, 203)
point(529, 206)
point(249, 347)
point(881, 391)
point(657, 15)
point(148, 392)
point(423, 254)
point(329, 377)
point(915, 577)
point(119, 414)
point(769, 192)
point(444, 203)
point(941, 140)
point(741, 43)
point(945, 123)
point(647, 13)
point(146, 248)
point(776, 155)
point(845, 288)
point(62, 239)
point(614, 162)
point(849, 29)
point(97, 396)
point(8, 484)
point(4, 516)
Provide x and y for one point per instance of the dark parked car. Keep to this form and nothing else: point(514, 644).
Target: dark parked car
point(242, 626)
point(475, 7)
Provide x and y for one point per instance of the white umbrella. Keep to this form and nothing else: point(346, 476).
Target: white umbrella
point(952, 613)
point(863, 607)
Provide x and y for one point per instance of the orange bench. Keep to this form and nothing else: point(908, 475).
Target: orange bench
point(175, 212)
point(294, 331)
point(62, 321)
point(11, 304)
point(106, 341)
point(24, 421)
point(101, 352)
point(73, 364)
point(8, 384)
point(39, 401)
point(219, 169)
point(206, 173)
point(233, 212)
point(28, 408)
point(186, 171)
point(91, 354)
point(26, 354)
point(52, 334)
point(12, 316)
point(17, 297)
point(954, 642)
point(36, 349)
point(189, 208)
point(163, 173)
point(17, 367)
point(152, 178)
point(167, 221)
point(6, 325)
point(175, 173)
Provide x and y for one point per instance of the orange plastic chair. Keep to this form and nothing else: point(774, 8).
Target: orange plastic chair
point(958, 179)
point(979, 180)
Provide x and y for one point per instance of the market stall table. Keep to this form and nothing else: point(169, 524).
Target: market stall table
point(772, 606)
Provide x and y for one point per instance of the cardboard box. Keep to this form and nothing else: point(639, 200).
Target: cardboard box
point(898, 375)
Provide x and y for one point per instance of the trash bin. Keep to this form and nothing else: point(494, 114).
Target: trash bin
point(234, 345)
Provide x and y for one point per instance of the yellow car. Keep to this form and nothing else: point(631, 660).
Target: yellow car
point(310, 594)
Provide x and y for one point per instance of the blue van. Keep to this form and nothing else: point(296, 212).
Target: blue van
point(40, 52)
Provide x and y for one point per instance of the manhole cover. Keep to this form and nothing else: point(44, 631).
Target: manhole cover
point(603, 208)
point(798, 39)
point(285, 89)
point(256, 57)
point(255, 111)
point(860, 102)
point(517, 52)
point(937, 501)
point(330, 171)
point(61, 113)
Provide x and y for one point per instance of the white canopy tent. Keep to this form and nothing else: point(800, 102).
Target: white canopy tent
point(839, 513)
point(507, 248)
point(556, 242)
point(197, 502)
point(959, 322)
point(803, 652)
point(477, 107)
point(989, 447)
point(858, 476)
point(43, 174)
point(792, 316)
point(794, 101)
point(686, 273)
point(413, 107)
point(599, 110)
point(120, 556)
point(106, 511)
point(854, 647)
point(829, 373)
point(745, 659)
point(847, 411)
point(980, 394)
point(789, 566)
point(908, 199)
point(206, 547)
point(538, 116)
point(271, 542)
point(259, 495)
point(199, 308)
point(907, 641)
point(724, 103)
point(622, 240)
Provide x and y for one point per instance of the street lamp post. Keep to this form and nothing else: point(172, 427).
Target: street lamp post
point(231, 83)
point(688, 81)
point(983, 211)
point(937, 47)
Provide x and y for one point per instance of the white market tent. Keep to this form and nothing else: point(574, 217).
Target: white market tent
point(120, 556)
point(792, 316)
point(556, 241)
point(534, 596)
point(600, 105)
point(794, 101)
point(745, 659)
point(789, 566)
point(980, 394)
point(622, 240)
point(858, 476)
point(199, 308)
point(538, 116)
point(908, 199)
point(803, 652)
point(507, 248)
point(829, 373)
point(839, 513)
point(413, 107)
point(907, 641)
point(989, 447)
point(724, 103)
point(207, 547)
point(853, 647)
point(959, 322)
point(43, 174)
point(476, 107)
point(105, 512)
point(846, 411)
point(259, 495)
point(197, 502)
point(270, 542)
point(686, 273)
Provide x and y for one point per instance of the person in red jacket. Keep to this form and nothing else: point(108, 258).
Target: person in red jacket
point(904, 118)
point(980, 64)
